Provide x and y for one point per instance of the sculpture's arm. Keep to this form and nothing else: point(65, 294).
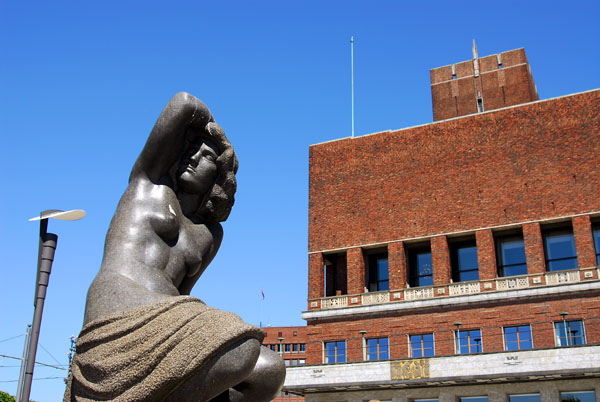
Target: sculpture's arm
point(167, 139)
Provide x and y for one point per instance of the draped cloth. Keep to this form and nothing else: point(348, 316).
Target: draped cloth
point(145, 353)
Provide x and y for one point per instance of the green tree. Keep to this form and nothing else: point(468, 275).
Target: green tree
point(4, 397)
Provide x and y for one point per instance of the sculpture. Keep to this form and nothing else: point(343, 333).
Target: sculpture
point(144, 338)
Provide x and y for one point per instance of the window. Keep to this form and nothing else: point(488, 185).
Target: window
point(378, 349)
point(596, 232)
point(273, 347)
point(302, 348)
point(559, 249)
point(335, 274)
point(301, 362)
point(524, 398)
point(569, 333)
point(473, 399)
point(464, 261)
point(287, 362)
point(510, 253)
point(468, 341)
point(426, 400)
point(578, 396)
point(518, 338)
point(420, 272)
point(287, 348)
point(377, 272)
point(295, 348)
point(335, 352)
point(294, 362)
point(421, 345)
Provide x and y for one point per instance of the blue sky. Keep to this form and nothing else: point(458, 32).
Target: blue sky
point(82, 83)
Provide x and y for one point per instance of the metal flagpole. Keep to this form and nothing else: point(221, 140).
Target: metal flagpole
point(352, 78)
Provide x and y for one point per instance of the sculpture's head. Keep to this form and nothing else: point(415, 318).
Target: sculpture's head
point(207, 169)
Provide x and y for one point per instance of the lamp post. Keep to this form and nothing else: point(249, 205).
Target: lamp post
point(280, 339)
point(458, 324)
point(564, 315)
point(364, 344)
point(47, 247)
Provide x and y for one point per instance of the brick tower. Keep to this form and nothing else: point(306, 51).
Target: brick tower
point(482, 84)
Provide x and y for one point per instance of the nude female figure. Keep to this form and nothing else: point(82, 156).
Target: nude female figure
point(162, 237)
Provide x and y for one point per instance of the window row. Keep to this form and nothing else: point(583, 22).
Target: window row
point(294, 362)
point(565, 396)
point(559, 253)
point(287, 347)
point(468, 341)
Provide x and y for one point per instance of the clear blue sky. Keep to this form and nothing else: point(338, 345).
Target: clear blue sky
point(81, 84)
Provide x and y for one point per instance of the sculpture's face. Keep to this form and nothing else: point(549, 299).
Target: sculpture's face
point(198, 169)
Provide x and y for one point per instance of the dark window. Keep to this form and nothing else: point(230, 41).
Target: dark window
point(559, 248)
point(464, 261)
point(377, 272)
point(287, 348)
point(295, 348)
point(468, 341)
point(420, 271)
point(524, 398)
point(569, 333)
point(335, 273)
point(302, 347)
point(335, 352)
point(578, 396)
point(518, 338)
point(596, 232)
point(510, 253)
point(422, 345)
point(378, 349)
point(474, 399)
point(273, 347)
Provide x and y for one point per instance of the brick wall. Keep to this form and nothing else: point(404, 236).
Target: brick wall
point(490, 318)
point(526, 163)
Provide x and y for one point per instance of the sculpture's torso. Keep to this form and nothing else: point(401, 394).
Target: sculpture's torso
point(153, 248)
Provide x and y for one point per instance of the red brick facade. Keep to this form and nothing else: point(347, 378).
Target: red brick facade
point(489, 318)
point(520, 164)
point(522, 170)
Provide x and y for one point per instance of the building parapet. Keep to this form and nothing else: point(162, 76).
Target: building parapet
point(528, 286)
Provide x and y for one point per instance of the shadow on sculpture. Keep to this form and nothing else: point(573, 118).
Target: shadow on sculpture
point(144, 338)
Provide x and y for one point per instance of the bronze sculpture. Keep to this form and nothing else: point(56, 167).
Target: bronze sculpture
point(143, 338)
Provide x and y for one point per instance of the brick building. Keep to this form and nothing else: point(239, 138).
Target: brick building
point(290, 342)
point(459, 260)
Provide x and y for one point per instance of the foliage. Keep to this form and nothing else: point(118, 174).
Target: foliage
point(4, 397)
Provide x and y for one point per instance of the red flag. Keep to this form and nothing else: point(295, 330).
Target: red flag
point(263, 294)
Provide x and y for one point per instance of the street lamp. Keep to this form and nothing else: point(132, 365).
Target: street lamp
point(280, 339)
point(46, 249)
point(458, 324)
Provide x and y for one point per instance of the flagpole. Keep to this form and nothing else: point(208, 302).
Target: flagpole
point(352, 78)
point(262, 302)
